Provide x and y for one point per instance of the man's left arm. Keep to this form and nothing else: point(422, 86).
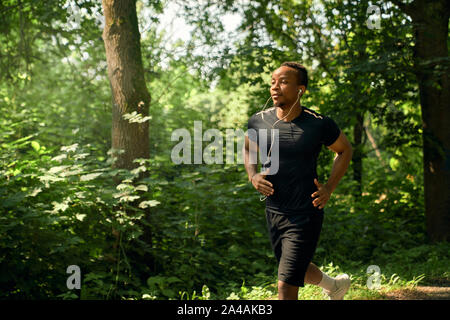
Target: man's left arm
point(344, 153)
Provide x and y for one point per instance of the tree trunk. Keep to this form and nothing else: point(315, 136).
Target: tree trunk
point(129, 94)
point(430, 22)
point(126, 75)
point(357, 159)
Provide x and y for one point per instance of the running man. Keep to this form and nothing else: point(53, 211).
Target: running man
point(294, 197)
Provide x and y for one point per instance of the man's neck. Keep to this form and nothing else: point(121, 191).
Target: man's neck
point(294, 113)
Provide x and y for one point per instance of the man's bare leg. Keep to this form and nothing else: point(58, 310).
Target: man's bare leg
point(313, 274)
point(287, 291)
point(335, 288)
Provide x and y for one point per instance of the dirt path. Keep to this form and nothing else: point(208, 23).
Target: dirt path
point(420, 293)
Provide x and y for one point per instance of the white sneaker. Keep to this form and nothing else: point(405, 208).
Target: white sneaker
point(342, 284)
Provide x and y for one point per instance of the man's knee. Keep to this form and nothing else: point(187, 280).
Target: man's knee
point(285, 286)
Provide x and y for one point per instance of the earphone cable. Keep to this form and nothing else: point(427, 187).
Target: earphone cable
point(262, 198)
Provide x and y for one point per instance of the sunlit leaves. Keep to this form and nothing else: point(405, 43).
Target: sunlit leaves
point(135, 117)
point(35, 145)
point(70, 148)
point(150, 203)
point(90, 176)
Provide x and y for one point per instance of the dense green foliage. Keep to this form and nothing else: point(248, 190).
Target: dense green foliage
point(61, 205)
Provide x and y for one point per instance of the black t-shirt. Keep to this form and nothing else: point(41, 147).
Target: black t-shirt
point(300, 142)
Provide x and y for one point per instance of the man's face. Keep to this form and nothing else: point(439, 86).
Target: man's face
point(284, 87)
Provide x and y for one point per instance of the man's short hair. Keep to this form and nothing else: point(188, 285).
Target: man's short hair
point(302, 74)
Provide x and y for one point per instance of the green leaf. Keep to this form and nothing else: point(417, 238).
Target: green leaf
point(57, 169)
point(35, 145)
point(80, 216)
point(59, 206)
point(149, 203)
point(168, 292)
point(124, 186)
point(90, 176)
point(152, 281)
point(128, 198)
point(34, 192)
point(142, 187)
point(394, 163)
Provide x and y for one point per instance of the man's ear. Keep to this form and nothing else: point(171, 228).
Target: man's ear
point(302, 88)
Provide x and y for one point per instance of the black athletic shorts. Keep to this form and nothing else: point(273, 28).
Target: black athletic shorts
point(294, 239)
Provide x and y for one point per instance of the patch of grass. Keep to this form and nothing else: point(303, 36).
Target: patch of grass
point(359, 290)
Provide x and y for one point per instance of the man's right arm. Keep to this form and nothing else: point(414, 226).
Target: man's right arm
point(250, 157)
point(258, 180)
